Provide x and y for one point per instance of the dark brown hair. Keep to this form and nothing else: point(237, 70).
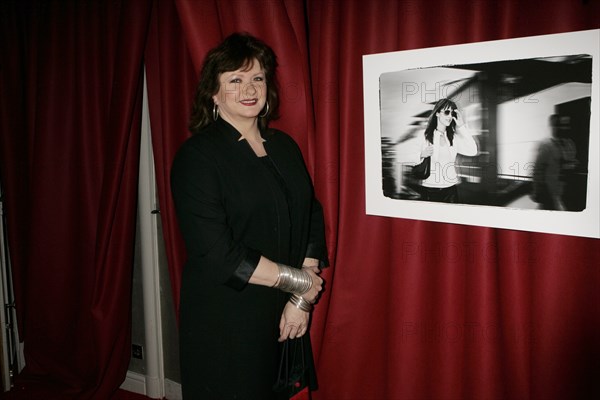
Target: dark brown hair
point(441, 105)
point(237, 51)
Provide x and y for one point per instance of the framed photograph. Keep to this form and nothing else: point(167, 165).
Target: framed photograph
point(502, 134)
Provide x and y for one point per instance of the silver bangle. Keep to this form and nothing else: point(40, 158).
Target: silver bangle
point(301, 303)
point(293, 280)
point(278, 277)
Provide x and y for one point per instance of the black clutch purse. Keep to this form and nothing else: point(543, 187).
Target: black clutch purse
point(292, 375)
point(423, 169)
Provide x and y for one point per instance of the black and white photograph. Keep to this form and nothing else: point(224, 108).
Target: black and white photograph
point(515, 133)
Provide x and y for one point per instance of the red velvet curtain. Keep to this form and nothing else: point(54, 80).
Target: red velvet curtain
point(413, 309)
point(71, 84)
point(422, 310)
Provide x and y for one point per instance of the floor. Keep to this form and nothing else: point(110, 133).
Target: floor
point(124, 395)
point(36, 389)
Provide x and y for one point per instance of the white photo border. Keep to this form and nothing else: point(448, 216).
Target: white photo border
point(585, 223)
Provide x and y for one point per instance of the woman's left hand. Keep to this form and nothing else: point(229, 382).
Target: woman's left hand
point(294, 322)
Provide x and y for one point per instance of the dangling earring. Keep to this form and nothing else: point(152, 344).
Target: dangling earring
point(215, 111)
point(266, 111)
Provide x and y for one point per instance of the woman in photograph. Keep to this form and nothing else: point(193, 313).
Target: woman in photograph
point(254, 235)
point(445, 136)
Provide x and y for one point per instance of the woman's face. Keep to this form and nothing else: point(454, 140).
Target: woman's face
point(242, 93)
point(445, 117)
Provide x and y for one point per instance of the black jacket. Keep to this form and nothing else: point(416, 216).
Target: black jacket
point(233, 207)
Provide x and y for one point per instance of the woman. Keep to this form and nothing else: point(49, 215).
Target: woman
point(253, 231)
point(446, 136)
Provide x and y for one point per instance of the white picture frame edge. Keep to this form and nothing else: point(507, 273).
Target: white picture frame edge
point(585, 223)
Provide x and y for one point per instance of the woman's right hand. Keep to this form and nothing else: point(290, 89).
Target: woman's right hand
point(427, 151)
point(315, 289)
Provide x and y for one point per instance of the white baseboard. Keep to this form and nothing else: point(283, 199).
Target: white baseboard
point(173, 390)
point(137, 383)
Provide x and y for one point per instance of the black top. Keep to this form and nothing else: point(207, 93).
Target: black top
point(232, 208)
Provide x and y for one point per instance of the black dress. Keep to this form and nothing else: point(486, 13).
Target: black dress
point(232, 208)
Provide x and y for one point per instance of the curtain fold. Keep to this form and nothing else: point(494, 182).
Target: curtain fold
point(171, 81)
point(70, 155)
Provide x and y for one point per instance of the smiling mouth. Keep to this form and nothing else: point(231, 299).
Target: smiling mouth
point(249, 102)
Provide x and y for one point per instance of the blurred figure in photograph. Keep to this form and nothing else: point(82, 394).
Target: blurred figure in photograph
point(555, 160)
point(445, 136)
